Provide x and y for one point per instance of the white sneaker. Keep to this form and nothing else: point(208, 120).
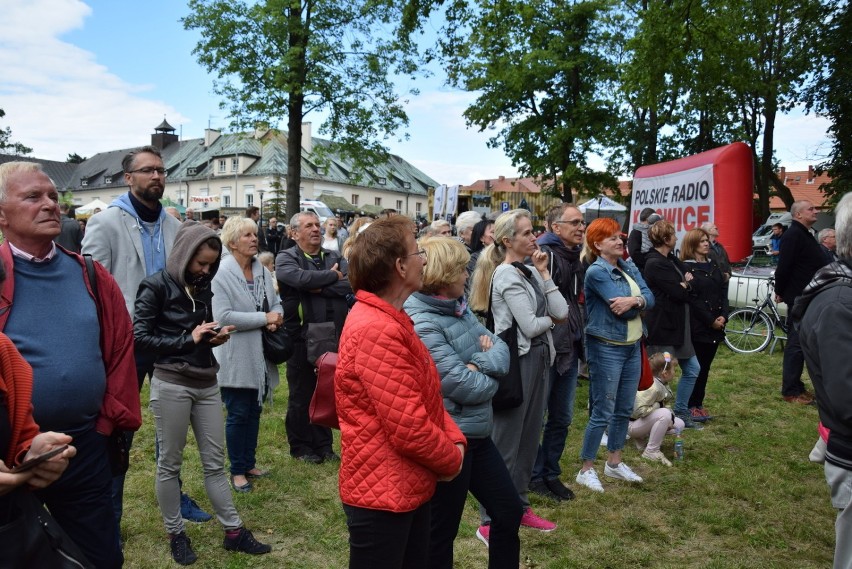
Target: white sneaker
point(656, 456)
point(621, 472)
point(589, 479)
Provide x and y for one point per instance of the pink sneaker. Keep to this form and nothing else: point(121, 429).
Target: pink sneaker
point(483, 533)
point(531, 520)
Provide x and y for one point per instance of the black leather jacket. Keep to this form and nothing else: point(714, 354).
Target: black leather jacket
point(166, 315)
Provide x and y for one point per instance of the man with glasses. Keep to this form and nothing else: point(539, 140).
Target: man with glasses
point(562, 243)
point(132, 239)
point(314, 293)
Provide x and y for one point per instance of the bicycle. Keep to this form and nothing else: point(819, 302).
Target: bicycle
point(751, 329)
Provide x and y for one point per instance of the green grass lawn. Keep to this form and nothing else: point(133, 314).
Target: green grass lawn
point(744, 497)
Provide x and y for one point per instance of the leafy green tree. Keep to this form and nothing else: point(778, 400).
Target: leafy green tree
point(7, 146)
point(277, 58)
point(74, 158)
point(542, 73)
point(830, 96)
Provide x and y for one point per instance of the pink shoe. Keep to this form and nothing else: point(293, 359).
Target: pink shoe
point(483, 534)
point(531, 520)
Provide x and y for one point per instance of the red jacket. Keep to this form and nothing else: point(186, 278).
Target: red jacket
point(396, 436)
point(16, 381)
point(120, 408)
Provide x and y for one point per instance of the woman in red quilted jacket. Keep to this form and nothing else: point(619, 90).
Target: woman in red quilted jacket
point(397, 439)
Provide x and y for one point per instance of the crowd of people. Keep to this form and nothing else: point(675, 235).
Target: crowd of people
point(428, 328)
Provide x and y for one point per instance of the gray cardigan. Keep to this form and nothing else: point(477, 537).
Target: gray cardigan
point(241, 361)
point(453, 341)
point(513, 296)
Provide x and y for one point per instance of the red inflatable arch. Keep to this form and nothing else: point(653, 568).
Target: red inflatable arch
point(716, 186)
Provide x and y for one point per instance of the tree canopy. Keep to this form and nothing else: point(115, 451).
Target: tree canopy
point(289, 58)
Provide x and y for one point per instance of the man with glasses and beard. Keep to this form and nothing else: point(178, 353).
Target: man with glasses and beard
point(132, 240)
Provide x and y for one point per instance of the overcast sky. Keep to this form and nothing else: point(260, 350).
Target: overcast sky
point(99, 75)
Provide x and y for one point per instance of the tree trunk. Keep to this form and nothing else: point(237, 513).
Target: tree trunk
point(298, 44)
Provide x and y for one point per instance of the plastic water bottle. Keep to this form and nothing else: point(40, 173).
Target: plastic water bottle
point(678, 447)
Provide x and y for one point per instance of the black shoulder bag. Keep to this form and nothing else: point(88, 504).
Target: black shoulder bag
point(510, 392)
point(278, 345)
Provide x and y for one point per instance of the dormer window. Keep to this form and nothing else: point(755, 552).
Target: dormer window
point(406, 185)
point(192, 171)
point(84, 182)
point(107, 179)
point(383, 181)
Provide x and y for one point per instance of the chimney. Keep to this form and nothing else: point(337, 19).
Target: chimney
point(810, 172)
point(260, 129)
point(502, 178)
point(307, 141)
point(210, 136)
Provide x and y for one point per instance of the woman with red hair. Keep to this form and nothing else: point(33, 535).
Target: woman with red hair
point(616, 295)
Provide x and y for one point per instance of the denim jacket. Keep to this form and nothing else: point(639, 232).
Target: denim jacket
point(603, 282)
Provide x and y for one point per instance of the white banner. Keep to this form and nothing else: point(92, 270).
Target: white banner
point(452, 200)
point(685, 198)
point(204, 199)
point(438, 202)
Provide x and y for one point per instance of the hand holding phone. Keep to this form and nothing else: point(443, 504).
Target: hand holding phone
point(36, 460)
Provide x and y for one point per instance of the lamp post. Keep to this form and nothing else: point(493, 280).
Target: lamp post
point(260, 194)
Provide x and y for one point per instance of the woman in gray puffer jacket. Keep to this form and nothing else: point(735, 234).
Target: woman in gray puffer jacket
point(469, 358)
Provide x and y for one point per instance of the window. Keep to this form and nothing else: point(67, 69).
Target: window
point(235, 164)
point(406, 185)
point(107, 179)
point(249, 200)
point(398, 205)
point(223, 165)
point(192, 171)
point(84, 182)
point(226, 197)
point(383, 181)
point(354, 199)
point(377, 201)
point(418, 207)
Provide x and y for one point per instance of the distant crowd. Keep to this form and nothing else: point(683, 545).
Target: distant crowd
point(459, 349)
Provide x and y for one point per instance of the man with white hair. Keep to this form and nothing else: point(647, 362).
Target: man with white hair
point(717, 250)
point(828, 241)
point(800, 257)
point(464, 227)
point(825, 311)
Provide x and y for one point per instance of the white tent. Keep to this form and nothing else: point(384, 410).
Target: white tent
point(603, 206)
point(90, 207)
point(601, 203)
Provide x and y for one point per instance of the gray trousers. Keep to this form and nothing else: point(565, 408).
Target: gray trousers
point(840, 482)
point(175, 408)
point(517, 432)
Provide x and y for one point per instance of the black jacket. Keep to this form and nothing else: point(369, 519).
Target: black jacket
point(666, 321)
point(708, 299)
point(800, 257)
point(823, 312)
point(567, 273)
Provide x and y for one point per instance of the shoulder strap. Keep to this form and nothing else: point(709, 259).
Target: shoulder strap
point(90, 271)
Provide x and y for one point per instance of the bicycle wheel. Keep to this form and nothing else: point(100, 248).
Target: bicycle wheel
point(748, 331)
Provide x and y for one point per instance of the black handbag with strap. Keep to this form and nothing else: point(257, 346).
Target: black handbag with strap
point(510, 391)
point(278, 345)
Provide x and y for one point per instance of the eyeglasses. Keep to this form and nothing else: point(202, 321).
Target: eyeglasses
point(421, 252)
point(148, 171)
point(572, 222)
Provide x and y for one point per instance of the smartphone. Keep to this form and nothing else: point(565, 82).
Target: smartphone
point(36, 460)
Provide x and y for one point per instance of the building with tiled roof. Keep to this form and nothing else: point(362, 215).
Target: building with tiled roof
point(234, 171)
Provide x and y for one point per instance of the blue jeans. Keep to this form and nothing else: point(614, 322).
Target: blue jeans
point(689, 374)
point(485, 475)
point(241, 427)
point(613, 378)
point(560, 414)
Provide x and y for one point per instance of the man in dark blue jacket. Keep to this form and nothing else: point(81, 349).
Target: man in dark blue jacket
point(562, 243)
point(800, 257)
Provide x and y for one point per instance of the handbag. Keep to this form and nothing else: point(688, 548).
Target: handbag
point(34, 539)
point(277, 345)
point(323, 409)
point(646, 378)
point(510, 389)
